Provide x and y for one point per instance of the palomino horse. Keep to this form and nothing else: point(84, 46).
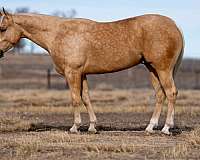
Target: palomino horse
point(80, 46)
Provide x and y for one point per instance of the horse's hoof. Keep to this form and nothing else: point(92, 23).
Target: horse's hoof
point(149, 129)
point(92, 130)
point(73, 130)
point(166, 131)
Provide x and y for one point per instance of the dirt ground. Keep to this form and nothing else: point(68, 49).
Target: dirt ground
point(34, 124)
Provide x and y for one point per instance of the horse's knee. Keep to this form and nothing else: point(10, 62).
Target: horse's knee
point(160, 97)
point(76, 100)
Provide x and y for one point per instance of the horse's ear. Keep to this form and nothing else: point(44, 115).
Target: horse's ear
point(5, 13)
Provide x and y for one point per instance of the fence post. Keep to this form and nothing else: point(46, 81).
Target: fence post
point(197, 79)
point(48, 78)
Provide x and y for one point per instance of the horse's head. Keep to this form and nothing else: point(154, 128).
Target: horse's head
point(10, 32)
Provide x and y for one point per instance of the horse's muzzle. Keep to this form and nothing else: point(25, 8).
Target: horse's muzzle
point(1, 54)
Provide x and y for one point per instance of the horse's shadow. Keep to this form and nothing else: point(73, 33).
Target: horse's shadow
point(40, 127)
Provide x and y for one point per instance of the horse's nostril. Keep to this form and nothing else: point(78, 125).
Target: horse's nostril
point(1, 53)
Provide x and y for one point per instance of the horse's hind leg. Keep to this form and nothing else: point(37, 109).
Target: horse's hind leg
point(160, 97)
point(167, 82)
point(87, 103)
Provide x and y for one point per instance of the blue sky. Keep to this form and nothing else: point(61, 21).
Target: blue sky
point(186, 13)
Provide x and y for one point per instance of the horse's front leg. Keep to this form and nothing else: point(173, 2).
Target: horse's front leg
point(74, 81)
point(87, 103)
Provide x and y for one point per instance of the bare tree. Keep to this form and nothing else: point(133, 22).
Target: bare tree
point(22, 10)
point(69, 14)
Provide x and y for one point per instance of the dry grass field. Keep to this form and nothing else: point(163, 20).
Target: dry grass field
point(34, 124)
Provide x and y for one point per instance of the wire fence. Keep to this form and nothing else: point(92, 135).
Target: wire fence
point(185, 79)
point(22, 71)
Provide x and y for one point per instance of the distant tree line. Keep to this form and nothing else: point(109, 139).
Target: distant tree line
point(20, 46)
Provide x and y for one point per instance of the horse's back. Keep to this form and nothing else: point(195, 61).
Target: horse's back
point(113, 46)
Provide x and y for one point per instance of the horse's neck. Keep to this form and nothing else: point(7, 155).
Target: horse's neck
point(37, 28)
